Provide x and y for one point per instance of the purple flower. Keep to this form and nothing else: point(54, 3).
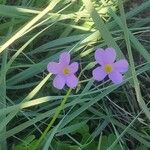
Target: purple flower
point(106, 58)
point(64, 72)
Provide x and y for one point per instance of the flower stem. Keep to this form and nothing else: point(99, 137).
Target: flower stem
point(58, 110)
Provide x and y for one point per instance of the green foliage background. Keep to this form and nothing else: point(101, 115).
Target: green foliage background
point(97, 116)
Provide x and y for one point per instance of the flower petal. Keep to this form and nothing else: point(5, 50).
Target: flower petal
point(72, 81)
point(109, 55)
point(73, 67)
point(121, 66)
point(59, 82)
point(99, 56)
point(53, 67)
point(116, 77)
point(99, 74)
point(64, 58)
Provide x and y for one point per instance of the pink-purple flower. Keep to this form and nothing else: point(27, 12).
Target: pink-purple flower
point(64, 71)
point(108, 66)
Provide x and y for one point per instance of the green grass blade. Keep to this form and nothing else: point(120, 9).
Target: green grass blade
point(28, 25)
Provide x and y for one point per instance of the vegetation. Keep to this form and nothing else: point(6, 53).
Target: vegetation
point(94, 115)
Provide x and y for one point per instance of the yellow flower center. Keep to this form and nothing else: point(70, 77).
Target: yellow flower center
point(108, 68)
point(66, 71)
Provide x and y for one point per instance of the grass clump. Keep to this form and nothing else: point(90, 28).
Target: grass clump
point(95, 115)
